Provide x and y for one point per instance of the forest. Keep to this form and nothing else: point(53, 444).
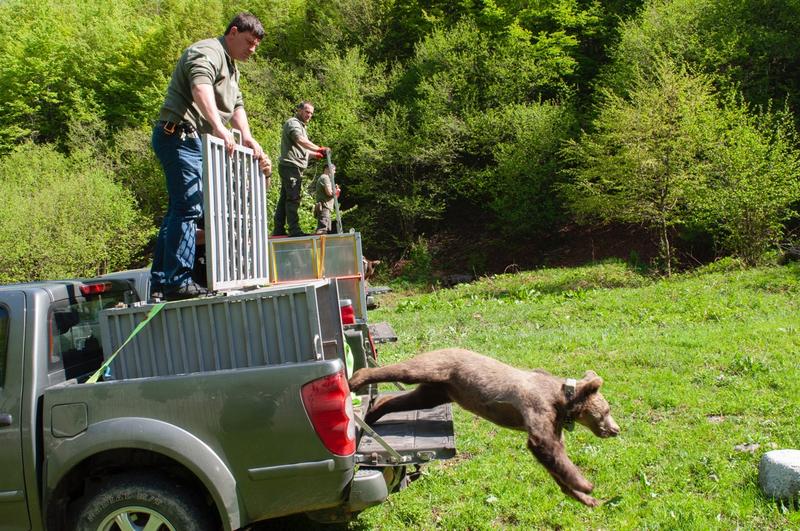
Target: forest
point(469, 132)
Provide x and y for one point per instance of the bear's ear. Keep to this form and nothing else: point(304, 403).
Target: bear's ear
point(589, 384)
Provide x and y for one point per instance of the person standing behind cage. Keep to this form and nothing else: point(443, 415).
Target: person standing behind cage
point(324, 195)
point(203, 95)
point(296, 149)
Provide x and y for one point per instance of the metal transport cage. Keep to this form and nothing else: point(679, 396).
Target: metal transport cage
point(296, 318)
point(280, 324)
point(335, 256)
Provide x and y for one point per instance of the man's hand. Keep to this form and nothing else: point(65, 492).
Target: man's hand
point(252, 144)
point(203, 96)
point(318, 153)
point(266, 165)
point(227, 137)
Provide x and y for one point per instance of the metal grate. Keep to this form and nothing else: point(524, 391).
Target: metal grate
point(235, 205)
point(268, 326)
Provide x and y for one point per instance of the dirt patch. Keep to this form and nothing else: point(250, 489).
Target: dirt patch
point(459, 458)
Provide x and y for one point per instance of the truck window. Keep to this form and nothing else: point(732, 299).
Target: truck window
point(75, 333)
point(3, 344)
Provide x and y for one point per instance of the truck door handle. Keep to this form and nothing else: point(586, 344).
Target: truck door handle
point(5, 419)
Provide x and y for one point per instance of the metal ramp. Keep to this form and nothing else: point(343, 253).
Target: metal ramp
point(235, 206)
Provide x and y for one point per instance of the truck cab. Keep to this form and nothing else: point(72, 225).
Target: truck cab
point(232, 445)
point(57, 325)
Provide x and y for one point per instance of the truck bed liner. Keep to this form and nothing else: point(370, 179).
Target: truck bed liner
point(419, 436)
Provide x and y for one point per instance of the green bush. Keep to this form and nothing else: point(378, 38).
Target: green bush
point(747, 45)
point(420, 262)
point(63, 217)
point(523, 143)
point(137, 168)
point(753, 182)
point(671, 154)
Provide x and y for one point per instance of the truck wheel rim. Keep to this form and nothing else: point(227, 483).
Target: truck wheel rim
point(134, 518)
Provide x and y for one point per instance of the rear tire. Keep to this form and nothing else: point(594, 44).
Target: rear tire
point(143, 501)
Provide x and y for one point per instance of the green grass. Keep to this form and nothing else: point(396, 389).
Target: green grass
point(693, 366)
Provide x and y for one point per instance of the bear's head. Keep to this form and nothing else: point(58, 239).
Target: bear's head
point(589, 408)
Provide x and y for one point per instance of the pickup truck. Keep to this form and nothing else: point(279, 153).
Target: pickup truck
point(219, 448)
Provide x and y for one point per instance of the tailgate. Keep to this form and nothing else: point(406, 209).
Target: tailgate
point(415, 437)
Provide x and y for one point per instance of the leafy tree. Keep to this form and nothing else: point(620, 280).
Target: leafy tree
point(347, 24)
point(748, 45)
point(522, 143)
point(643, 162)
point(387, 173)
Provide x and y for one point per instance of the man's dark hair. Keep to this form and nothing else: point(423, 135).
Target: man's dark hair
point(245, 22)
point(302, 104)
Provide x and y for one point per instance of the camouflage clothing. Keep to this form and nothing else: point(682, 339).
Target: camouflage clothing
point(323, 195)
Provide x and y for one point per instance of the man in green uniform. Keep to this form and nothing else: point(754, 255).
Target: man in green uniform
point(324, 194)
point(202, 97)
point(296, 149)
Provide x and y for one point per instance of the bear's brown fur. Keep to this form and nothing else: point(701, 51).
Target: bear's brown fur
point(532, 401)
point(369, 267)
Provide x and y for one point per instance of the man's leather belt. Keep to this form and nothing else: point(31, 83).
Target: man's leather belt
point(171, 127)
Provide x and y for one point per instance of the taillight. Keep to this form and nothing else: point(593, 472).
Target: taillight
point(327, 402)
point(95, 289)
point(347, 311)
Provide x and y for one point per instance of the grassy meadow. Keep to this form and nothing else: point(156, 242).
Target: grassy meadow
point(695, 366)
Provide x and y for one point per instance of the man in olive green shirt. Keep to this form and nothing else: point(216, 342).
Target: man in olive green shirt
point(296, 149)
point(203, 95)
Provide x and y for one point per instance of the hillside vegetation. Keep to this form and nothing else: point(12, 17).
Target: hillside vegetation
point(492, 118)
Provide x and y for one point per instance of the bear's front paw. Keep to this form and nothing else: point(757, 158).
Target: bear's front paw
point(587, 500)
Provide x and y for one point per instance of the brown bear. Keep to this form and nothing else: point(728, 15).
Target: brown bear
point(369, 267)
point(532, 401)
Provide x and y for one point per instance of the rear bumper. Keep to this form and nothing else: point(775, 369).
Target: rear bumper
point(368, 488)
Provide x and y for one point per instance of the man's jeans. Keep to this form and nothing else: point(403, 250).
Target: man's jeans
point(182, 160)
